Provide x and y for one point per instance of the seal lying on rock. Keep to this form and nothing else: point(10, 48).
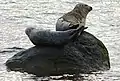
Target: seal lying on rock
point(76, 16)
point(47, 37)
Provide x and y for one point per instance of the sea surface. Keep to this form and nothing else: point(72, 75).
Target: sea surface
point(16, 15)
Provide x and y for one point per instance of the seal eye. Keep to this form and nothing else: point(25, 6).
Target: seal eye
point(86, 5)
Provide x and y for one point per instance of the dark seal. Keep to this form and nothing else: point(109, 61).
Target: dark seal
point(47, 37)
point(76, 16)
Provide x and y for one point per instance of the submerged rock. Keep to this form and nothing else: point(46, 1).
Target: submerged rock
point(86, 54)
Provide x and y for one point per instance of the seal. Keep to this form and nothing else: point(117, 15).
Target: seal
point(47, 37)
point(76, 16)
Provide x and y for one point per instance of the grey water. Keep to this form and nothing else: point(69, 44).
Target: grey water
point(16, 15)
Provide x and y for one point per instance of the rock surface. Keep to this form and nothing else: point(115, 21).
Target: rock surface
point(86, 54)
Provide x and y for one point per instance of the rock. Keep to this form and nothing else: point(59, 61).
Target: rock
point(86, 54)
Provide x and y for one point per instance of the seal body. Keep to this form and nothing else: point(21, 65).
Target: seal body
point(74, 17)
point(47, 37)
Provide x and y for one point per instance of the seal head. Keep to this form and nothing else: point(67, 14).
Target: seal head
point(82, 9)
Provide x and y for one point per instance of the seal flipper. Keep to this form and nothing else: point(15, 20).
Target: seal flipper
point(78, 31)
point(62, 25)
point(71, 26)
point(82, 29)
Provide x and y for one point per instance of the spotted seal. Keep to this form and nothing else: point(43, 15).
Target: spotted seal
point(76, 16)
point(47, 37)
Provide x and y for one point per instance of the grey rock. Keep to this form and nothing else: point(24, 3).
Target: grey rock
point(85, 55)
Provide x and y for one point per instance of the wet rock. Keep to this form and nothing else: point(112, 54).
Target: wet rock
point(86, 54)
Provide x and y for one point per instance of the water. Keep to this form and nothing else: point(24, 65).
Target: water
point(16, 15)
